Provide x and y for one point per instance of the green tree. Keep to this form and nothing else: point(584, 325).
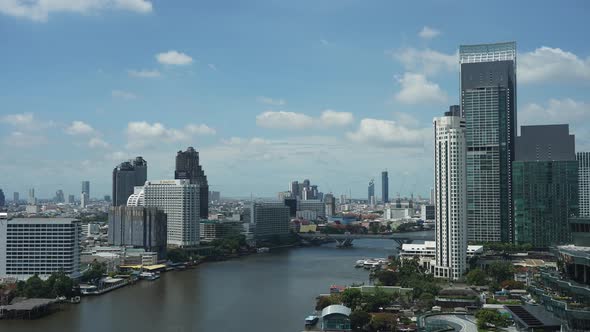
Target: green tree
point(387, 278)
point(177, 255)
point(60, 284)
point(477, 277)
point(487, 316)
point(501, 271)
point(426, 300)
point(512, 284)
point(325, 301)
point(35, 288)
point(95, 271)
point(352, 298)
point(359, 319)
point(377, 299)
point(383, 322)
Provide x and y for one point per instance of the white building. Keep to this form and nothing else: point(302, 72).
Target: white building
point(84, 200)
point(426, 252)
point(39, 246)
point(179, 199)
point(313, 205)
point(397, 213)
point(450, 197)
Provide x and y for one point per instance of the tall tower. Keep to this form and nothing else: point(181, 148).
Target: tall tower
point(187, 167)
point(584, 182)
point(488, 103)
point(86, 187)
point(371, 196)
point(450, 177)
point(385, 187)
point(126, 176)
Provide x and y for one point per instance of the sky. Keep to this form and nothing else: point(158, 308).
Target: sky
point(267, 91)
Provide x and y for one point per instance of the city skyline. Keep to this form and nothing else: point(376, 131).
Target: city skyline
point(359, 100)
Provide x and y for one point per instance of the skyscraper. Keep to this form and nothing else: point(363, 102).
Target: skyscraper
point(545, 182)
point(450, 177)
point(86, 187)
point(71, 199)
point(15, 197)
point(2, 198)
point(187, 167)
point(584, 182)
point(126, 176)
point(294, 189)
point(271, 220)
point(138, 226)
point(32, 200)
point(371, 195)
point(384, 187)
point(330, 202)
point(488, 103)
point(59, 196)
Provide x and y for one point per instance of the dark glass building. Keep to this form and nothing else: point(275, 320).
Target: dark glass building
point(140, 227)
point(2, 198)
point(488, 103)
point(126, 176)
point(187, 167)
point(545, 185)
point(384, 187)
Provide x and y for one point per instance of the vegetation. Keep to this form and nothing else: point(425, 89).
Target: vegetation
point(95, 271)
point(409, 275)
point(501, 271)
point(178, 255)
point(58, 284)
point(490, 318)
point(477, 277)
point(230, 244)
point(359, 319)
point(512, 284)
point(383, 322)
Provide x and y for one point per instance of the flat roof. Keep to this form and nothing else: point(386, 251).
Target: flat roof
point(29, 304)
point(43, 220)
point(533, 316)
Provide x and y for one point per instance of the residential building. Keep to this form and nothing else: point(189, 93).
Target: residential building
point(384, 187)
point(179, 199)
point(15, 197)
point(271, 220)
point(188, 167)
point(584, 182)
point(41, 246)
point(140, 227)
point(294, 189)
point(488, 104)
point(314, 205)
point(2, 198)
point(545, 185)
point(59, 196)
point(330, 202)
point(32, 200)
point(71, 199)
point(427, 212)
point(84, 200)
point(214, 196)
point(450, 197)
point(126, 176)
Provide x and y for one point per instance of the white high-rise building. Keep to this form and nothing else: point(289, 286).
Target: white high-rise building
point(450, 180)
point(584, 182)
point(84, 200)
point(179, 199)
point(41, 246)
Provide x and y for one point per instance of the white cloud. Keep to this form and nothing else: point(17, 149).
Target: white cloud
point(428, 32)
point(80, 128)
point(173, 58)
point(416, 89)
point(212, 66)
point(271, 101)
point(292, 120)
point(123, 94)
point(24, 140)
point(25, 121)
point(388, 133)
point(39, 10)
point(426, 61)
point(555, 111)
point(550, 64)
point(144, 73)
point(96, 142)
point(140, 134)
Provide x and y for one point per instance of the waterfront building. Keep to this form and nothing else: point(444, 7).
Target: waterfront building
point(213, 229)
point(450, 197)
point(314, 205)
point(427, 212)
point(188, 167)
point(41, 246)
point(179, 199)
point(384, 187)
point(336, 317)
point(584, 182)
point(371, 194)
point(126, 176)
point(140, 227)
point(330, 202)
point(86, 187)
point(32, 200)
point(545, 185)
point(270, 219)
point(488, 104)
point(15, 197)
point(425, 253)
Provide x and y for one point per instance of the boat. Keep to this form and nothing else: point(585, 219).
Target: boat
point(149, 276)
point(311, 320)
point(359, 263)
point(262, 250)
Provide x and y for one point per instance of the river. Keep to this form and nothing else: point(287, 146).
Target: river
point(260, 293)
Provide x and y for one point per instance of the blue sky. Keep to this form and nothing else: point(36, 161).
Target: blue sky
point(267, 91)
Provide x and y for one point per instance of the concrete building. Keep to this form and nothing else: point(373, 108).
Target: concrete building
point(214, 196)
point(270, 219)
point(330, 202)
point(488, 104)
point(426, 253)
point(126, 176)
point(545, 185)
point(427, 212)
point(15, 197)
point(371, 192)
point(71, 199)
point(584, 182)
point(213, 230)
point(188, 167)
point(140, 227)
point(86, 187)
point(179, 199)
point(450, 197)
point(315, 205)
point(32, 200)
point(39, 246)
point(397, 213)
point(384, 187)
point(59, 196)
point(2, 198)
point(84, 200)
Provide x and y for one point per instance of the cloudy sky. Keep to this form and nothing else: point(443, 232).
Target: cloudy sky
point(267, 91)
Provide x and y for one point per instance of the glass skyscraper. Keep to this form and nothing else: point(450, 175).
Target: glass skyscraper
point(584, 180)
point(488, 104)
point(126, 176)
point(384, 187)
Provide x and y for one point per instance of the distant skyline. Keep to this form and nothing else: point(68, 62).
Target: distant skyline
point(266, 91)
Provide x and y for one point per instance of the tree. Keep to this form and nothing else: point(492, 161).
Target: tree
point(95, 271)
point(59, 284)
point(376, 300)
point(477, 277)
point(352, 298)
point(358, 320)
point(512, 284)
point(325, 301)
point(485, 317)
point(35, 288)
point(383, 322)
point(426, 300)
point(386, 277)
point(177, 255)
point(501, 271)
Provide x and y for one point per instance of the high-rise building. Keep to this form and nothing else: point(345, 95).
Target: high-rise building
point(584, 181)
point(126, 176)
point(2, 198)
point(138, 226)
point(317, 206)
point(450, 178)
point(545, 182)
point(71, 199)
point(84, 200)
point(330, 202)
point(292, 204)
point(214, 196)
point(371, 195)
point(107, 198)
point(41, 246)
point(294, 189)
point(187, 167)
point(271, 220)
point(15, 197)
point(384, 187)
point(59, 196)
point(86, 187)
point(488, 103)
point(32, 200)
point(179, 199)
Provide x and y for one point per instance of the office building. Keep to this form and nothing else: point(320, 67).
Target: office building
point(584, 182)
point(15, 197)
point(86, 187)
point(32, 200)
point(179, 199)
point(140, 227)
point(107, 198)
point(270, 219)
point(214, 229)
point(71, 199)
point(450, 188)
point(397, 213)
point(314, 205)
point(187, 167)
point(294, 189)
point(126, 176)
point(330, 203)
point(41, 246)
point(428, 212)
point(545, 185)
point(371, 194)
point(59, 196)
point(292, 204)
point(2, 198)
point(488, 104)
point(385, 187)
point(214, 196)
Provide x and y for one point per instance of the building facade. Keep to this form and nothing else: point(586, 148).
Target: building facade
point(140, 227)
point(86, 187)
point(314, 205)
point(371, 193)
point(330, 203)
point(450, 185)
point(384, 187)
point(126, 176)
point(188, 167)
point(41, 246)
point(545, 182)
point(488, 103)
point(179, 199)
point(584, 182)
point(271, 220)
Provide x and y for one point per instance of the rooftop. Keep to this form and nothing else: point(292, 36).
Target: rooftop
point(336, 309)
point(28, 304)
